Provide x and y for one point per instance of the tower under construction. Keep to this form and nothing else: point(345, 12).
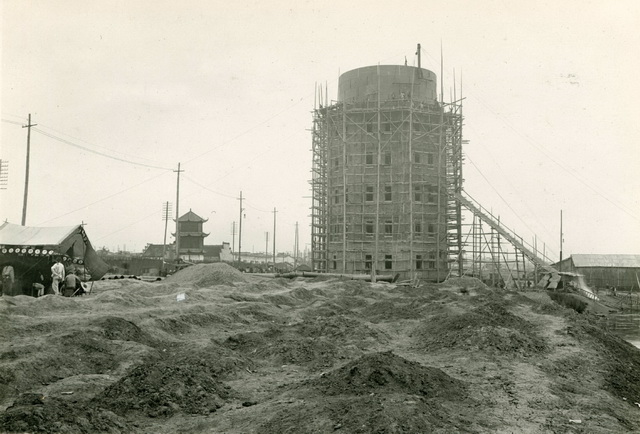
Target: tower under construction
point(387, 164)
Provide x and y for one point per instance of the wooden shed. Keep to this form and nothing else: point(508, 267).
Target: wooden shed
point(601, 271)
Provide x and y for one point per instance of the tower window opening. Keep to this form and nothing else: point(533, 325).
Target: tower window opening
point(417, 193)
point(368, 262)
point(387, 193)
point(418, 262)
point(387, 159)
point(432, 195)
point(368, 227)
point(368, 158)
point(388, 262)
point(368, 196)
point(430, 159)
point(388, 227)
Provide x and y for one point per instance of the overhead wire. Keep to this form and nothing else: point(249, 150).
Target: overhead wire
point(547, 154)
point(40, 124)
point(93, 151)
point(104, 198)
point(12, 122)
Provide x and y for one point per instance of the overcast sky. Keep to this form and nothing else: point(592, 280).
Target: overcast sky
point(122, 91)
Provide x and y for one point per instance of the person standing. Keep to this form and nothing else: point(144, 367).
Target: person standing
point(57, 276)
point(8, 277)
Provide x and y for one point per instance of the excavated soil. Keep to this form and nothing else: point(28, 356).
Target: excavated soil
point(214, 350)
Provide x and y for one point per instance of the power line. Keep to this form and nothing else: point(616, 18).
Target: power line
point(251, 128)
point(547, 154)
point(93, 151)
point(92, 144)
point(104, 198)
point(12, 122)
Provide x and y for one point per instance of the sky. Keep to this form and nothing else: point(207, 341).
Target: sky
point(124, 91)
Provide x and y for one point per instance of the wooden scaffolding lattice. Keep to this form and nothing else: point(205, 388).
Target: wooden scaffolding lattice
point(382, 175)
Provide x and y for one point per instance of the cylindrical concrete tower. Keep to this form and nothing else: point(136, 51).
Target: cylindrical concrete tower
point(380, 175)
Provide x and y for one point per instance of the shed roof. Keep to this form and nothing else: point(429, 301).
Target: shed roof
point(615, 261)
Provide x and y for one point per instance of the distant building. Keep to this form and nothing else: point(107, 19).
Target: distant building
point(218, 253)
point(191, 237)
point(600, 271)
point(262, 258)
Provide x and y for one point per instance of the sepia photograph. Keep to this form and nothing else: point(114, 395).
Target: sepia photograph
point(298, 217)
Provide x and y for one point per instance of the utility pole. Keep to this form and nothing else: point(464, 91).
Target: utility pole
point(178, 215)
point(165, 216)
point(266, 247)
point(26, 173)
point(274, 237)
point(561, 236)
point(295, 248)
point(4, 174)
point(240, 231)
point(233, 238)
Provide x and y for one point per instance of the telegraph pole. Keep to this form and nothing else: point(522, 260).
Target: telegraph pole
point(233, 238)
point(240, 231)
point(178, 215)
point(295, 249)
point(274, 237)
point(165, 217)
point(561, 236)
point(4, 174)
point(26, 173)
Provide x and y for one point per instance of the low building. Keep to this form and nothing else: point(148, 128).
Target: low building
point(218, 253)
point(601, 271)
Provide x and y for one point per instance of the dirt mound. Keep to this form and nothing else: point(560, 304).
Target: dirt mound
point(622, 364)
point(489, 327)
point(465, 284)
point(338, 329)
point(32, 412)
point(386, 372)
point(119, 329)
point(171, 384)
point(203, 275)
point(277, 347)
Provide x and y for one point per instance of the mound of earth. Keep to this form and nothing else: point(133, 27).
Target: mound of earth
point(170, 384)
point(204, 275)
point(489, 327)
point(382, 373)
point(34, 412)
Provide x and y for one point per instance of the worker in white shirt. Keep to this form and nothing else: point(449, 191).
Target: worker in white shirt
point(57, 276)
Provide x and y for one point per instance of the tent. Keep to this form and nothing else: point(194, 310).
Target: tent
point(32, 250)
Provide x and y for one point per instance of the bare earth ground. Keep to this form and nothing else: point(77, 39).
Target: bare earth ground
point(244, 354)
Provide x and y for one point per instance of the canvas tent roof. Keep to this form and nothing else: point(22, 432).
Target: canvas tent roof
point(17, 235)
point(69, 241)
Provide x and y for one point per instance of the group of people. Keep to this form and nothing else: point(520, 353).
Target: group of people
point(63, 281)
